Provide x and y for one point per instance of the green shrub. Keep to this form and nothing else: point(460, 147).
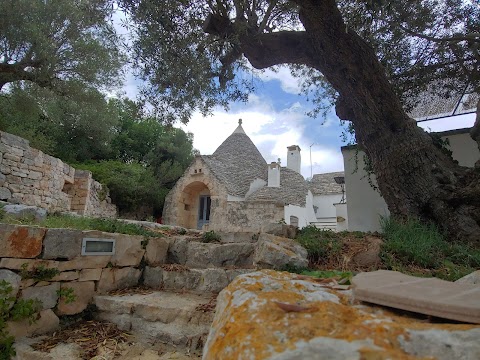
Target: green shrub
point(319, 243)
point(67, 294)
point(38, 273)
point(211, 236)
point(411, 244)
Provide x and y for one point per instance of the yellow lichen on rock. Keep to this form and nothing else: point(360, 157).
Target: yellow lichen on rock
point(249, 324)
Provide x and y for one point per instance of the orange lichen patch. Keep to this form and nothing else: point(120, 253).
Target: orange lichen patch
point(252, 323)
point(25, 242)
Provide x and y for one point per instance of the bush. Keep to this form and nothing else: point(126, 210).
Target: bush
point(411, 244)
point(132, 186)
point(320, 244)
point(211, 236)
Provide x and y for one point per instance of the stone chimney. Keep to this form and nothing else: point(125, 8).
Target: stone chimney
point(274, 175)
point(294, 159)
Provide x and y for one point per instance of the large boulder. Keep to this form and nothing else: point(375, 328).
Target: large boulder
point(25, 212)
point(282, 316)
point(206, 255)
point(275, 252)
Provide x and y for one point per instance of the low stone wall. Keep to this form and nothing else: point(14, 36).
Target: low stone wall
point(30, 177)
point(31, 251)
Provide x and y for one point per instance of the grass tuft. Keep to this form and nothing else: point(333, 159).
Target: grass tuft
point(85, 223)
point(412, 247)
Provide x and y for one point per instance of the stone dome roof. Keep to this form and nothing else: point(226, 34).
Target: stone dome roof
point(293, 189)
point(322, 184)
point(237, 162)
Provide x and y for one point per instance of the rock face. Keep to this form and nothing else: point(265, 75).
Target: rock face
point(472, 278)
point(281, 316)
point(25, 211)
point(46, 322)
point(20, 241)
point(274, 252)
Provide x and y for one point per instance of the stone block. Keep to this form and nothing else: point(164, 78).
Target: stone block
point(17, 264)
point(35, 175)
point(156, 251)
point(14, 281)
point(2, 178)
point(47, 322)
point(66, 276)
point(182, 280)
point(177, 251)
point(62, 244)
point(274, 252)
point(115, 278)
point(25, 283)
point(204, 255)
point(90, 274)
point(85, 262)
point(128, 249)
point(472, 278)
point(19, 173)
point(5, 194)
point(153, 277)
point(25, 212)
point(213, 280)
point(21, 241)
point(430, 296)
point(12, 179)
point(47, 295)
point(236, 237)
point(14, 141)
point(83, 291)
point(12, 157)
point(282, 230)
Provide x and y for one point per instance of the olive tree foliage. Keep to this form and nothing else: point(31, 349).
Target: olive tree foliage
point(193, 54)
point(54, 43)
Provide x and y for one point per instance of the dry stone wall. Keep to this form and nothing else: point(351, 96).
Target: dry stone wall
point(30, 177)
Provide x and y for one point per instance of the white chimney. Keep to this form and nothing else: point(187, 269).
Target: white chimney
point(274, 175)
point(293, 158)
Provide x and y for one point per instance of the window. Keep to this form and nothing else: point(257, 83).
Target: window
point(294, 221)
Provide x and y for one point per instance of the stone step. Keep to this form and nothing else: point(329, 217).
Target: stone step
point(171, 318)
point(174, 277)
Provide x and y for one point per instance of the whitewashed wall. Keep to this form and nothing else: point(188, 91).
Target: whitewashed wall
point(326, 209)
point(365, 205)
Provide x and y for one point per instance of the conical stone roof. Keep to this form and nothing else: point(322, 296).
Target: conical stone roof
point(237, 162)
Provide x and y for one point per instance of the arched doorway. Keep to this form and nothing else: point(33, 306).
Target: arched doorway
point(194, 206)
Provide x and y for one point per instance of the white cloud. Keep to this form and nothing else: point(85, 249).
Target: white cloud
point(288, 83)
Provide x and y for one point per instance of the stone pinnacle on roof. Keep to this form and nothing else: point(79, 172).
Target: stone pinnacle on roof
point(239, 129)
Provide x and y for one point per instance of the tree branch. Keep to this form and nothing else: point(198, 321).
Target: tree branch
point(283, 47)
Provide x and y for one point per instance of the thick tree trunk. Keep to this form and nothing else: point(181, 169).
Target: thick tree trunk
point(415, 178)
